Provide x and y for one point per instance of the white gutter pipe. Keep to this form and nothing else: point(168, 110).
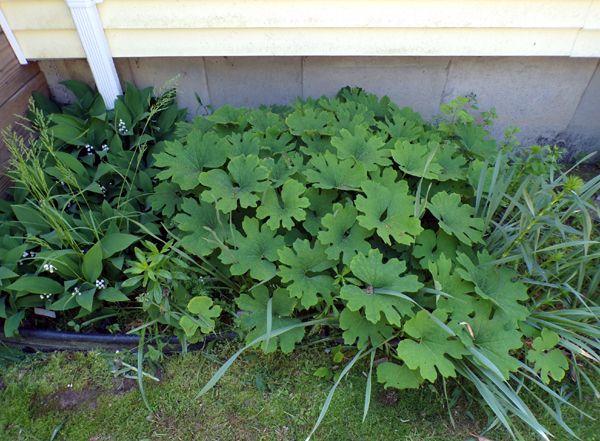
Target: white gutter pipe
point(99, 57)
point(11, 39)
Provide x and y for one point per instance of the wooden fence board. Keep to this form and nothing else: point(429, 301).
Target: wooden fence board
point(17, 82)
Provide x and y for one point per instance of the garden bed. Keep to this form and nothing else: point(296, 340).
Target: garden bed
point(430, 254)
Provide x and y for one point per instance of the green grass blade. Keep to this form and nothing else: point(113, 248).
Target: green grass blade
point(140, 372)
point(327, 402)
point(223, 369)
point(368, 386)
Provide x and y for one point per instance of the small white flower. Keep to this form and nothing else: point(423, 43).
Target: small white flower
point(105, 148)
point(75, 292)
point(103, 189)
point(42, 296)
point(32, 254)
point(122, 127)
point(49, 267)
point(25, 254)
point(100, 284)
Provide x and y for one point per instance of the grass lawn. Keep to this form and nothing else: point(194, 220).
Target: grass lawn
point(74, 396)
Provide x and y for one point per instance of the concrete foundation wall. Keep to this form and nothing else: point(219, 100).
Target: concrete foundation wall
point(552, 99)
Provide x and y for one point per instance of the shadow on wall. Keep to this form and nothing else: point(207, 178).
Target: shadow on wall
point(552, 99)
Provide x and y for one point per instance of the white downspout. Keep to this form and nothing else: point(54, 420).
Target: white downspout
point(11, 39)
point(93, 39)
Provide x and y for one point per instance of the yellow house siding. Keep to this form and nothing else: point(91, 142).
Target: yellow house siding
point(151, 28)
point(61, 43)
point(344, 41)
point(46, 15)
point(117, 14)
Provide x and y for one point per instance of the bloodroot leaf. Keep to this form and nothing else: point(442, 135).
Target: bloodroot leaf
point(456, 218)
point(253, 318)
point(304, 270)
point(165, 199)
point(494, 337)
point(246, 180)
point(342, 234)
point(308, 121)
point(183, 163)
point(389, 211)
point(328, 172)
point(417, 159)
point(244, 144)
point(356, 327)
point(362, 146)
point(433, 350)
point(496, 285)
point(282, 210)
point(452, 163)
point(284, 168)
point(461, 298)
point(321, 203)
point(403, 125)
point(398, 376)
point(376, 275)
point(474, 138)
point(429, 246)
point(203, 228)
point(548, 360)
point(202, 316)
point(254, 252)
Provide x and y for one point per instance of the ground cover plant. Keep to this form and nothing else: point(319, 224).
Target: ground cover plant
point(433, 253)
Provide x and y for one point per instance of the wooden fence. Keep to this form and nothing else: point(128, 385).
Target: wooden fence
point(17, 82)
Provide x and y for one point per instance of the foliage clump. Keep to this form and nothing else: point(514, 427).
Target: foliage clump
point(427, 243)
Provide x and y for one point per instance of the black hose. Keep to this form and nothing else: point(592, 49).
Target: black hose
point(49, 340)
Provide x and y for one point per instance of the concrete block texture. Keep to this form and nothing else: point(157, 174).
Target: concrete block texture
point(417, 82)
point(56, 71)
point(538, 95)
point(187, 74)
point(551, 99)
point(252, 81)
point(584, 128)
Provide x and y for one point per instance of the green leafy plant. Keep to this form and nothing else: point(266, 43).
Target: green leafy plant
point(353, 210)
point(82, 185)
point(457, 259)
point(172, 292)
